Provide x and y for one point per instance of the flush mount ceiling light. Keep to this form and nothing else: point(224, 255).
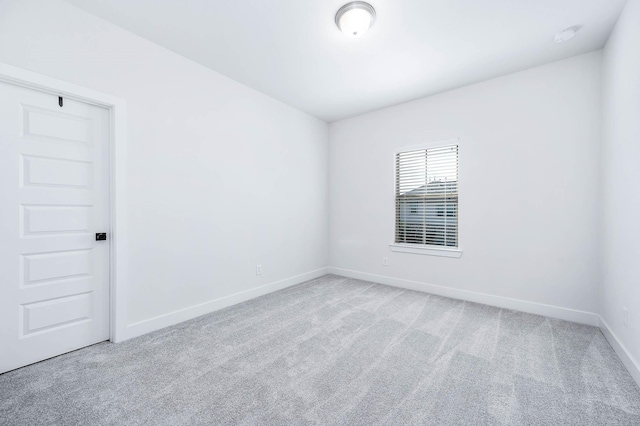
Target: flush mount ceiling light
point(566, 34)
point(355, 18)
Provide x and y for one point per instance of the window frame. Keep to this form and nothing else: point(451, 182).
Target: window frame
point(425, 249)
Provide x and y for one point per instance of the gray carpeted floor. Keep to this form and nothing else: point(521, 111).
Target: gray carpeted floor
point(336, 351)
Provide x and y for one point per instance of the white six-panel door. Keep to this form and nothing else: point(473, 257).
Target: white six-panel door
point(54, 198)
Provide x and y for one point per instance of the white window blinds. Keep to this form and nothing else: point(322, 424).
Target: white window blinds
point(427, 196)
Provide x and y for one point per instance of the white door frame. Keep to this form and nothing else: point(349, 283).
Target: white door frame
point(118, 246)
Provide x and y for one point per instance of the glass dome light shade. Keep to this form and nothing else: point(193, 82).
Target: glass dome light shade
point(354, 19)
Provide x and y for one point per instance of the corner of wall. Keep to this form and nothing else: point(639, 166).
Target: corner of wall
point(632, 365)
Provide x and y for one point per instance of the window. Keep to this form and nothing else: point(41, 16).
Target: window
point(427, 197)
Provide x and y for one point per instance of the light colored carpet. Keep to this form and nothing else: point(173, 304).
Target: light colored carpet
point(336, 351)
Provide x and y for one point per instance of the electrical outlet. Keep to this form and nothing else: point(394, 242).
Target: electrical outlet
point(385, 261)
point(258, 269)
point(625, 317)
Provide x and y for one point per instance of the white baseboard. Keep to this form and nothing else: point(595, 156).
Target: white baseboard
point(627, 359)
point(567, 314)
point(152, 324)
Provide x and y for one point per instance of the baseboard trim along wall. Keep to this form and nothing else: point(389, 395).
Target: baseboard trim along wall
point(627, 359)
point(567, 314)
point(156, 323)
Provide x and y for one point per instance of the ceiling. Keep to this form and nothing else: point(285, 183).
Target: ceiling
point(292, 50)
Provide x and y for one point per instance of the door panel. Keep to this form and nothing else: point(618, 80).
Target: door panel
point(57, 126)
point(43, 219)
point(56, 172)
point(49, 314)
point(54, 276)
point(48, 267)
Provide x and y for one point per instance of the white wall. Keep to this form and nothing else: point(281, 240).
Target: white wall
point(529, 148)
point(221, 177)
point(621, 173)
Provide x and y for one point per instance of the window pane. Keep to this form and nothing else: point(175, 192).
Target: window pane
point(427, 197)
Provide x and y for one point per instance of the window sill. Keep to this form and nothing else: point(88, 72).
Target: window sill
point(427, 250)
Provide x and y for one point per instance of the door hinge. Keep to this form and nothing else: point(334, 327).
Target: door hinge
point(60, 101)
